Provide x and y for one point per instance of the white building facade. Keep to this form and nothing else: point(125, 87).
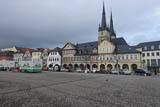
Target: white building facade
point(54, 58)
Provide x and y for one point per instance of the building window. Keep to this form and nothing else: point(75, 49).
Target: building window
point(136, 57)
point(122, 57)
point(159, 46)
point(152, 47)
point(143, 54)
point(103, 57)
point(152, 53)
point(145, 48)
point(127, 57)
point(157, 53)
point(111, 58)
point(86, 52)
point(153, 62)
point(158, 62)
point(148, 54)
point(119, 57)
point(144, 61)
point(148, 62)
point(131, 56)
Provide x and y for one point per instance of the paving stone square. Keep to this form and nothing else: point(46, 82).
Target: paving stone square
point(64, 89)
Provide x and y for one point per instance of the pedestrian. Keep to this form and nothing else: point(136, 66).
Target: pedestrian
point(155, 71)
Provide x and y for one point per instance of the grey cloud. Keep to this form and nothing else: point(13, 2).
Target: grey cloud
point(51, 23)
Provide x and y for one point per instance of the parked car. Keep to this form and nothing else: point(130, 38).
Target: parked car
point(112, 71)
point(143, 72)
point(45, 69)
point(79, 70)
point(94, 70)
point(148, 73)
point(57, 68)
point(125, 72)
point(64, 70)
point(87, 70)
point(50, 68)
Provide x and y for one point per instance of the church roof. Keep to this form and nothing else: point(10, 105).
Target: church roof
point(122, 47)
point(119, 41)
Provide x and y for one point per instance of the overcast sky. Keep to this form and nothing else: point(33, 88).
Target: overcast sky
point(51, 23)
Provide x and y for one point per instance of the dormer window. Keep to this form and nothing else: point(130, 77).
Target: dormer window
point(80, 52)
point(94, 50)
point(152, 47)
point(145, 48)
point(86, 52)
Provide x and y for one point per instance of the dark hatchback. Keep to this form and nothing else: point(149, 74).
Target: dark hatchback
point(142, 72)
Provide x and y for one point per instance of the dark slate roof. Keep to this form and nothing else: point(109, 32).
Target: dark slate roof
point(126, 49)
point(86, 48)
point(122, 47)
point(18, 48)
point(6, 53)
point(156, 45)
point(119, 41)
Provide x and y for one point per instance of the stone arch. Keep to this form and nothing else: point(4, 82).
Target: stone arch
point(75, 66)
point(50, 65)
point(102, 67)
point(57, 67)
point(134, 67)
point(82, 67)
point(70, 66)
point(109, 67)
point(117, 67)
point(65, 66)
point(125, 66)
point(94, 66)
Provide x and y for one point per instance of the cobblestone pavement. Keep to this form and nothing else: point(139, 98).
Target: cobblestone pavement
point(60, 89)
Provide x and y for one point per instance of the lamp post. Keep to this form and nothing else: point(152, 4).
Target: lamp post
point(116, 49)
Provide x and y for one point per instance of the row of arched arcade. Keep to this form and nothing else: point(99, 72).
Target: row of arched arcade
point(81, 66)
point(108, 67)
point(131, 67)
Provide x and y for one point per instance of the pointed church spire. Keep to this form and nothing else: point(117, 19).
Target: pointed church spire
point(112, 32)
point(103, 23)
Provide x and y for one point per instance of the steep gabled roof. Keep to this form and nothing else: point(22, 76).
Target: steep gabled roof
point(57, 49)
point(70, 44)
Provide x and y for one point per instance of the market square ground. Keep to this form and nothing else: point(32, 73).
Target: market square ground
point(63, 89)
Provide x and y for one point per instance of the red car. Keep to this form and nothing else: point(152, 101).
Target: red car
point(45, 69)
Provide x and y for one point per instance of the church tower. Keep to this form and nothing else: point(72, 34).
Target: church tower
point(112, 31)
point(104, 30)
